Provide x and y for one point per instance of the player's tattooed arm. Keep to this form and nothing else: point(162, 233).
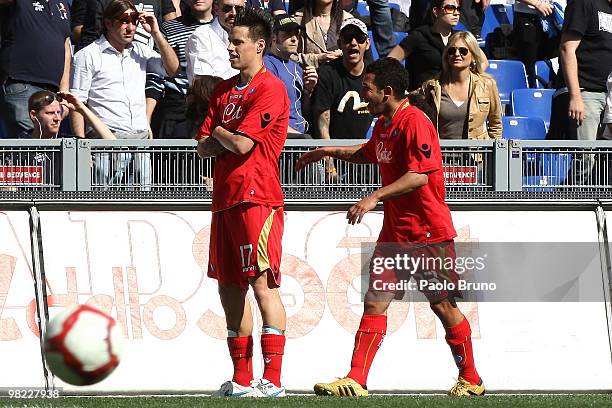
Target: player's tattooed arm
point(210, 147)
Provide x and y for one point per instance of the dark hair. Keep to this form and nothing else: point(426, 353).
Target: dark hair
point(258, 21)
point(114, 9)
point(336, 18)
point(201, 90)
point(436, 4)
point(40, 99)
point(390, 72)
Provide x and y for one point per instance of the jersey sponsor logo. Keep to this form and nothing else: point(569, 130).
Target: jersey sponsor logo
point(382, 154)
point(605, 21)
point(425, 149)
point(231, 112)
point(357, 103)
point(62, 10)
point(37, 6)
point(266, 118)
point(235, 96)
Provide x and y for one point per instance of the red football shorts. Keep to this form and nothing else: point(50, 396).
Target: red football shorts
point(430, 266)
point(246, 240)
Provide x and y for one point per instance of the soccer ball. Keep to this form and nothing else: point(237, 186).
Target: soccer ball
point(83, 345)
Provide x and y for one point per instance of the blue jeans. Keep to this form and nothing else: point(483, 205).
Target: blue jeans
point(382, 26)
point(14, 107)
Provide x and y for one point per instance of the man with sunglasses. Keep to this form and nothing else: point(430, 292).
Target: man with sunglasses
point(338, 110)
point(206, 48)
point(109, 75)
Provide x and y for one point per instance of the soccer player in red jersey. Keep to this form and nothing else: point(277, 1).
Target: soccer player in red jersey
point(405, 146)
point(245, 129)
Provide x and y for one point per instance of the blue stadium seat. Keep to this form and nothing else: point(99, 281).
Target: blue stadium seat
point(373, 46)
point(362, 8)
point(553, 169)
point(522, 128)
point(542, 70)
point(399, 36)
point(496, 15)
point(510, 75)
point(533, 103)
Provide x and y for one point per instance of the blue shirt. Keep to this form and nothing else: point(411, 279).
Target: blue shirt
point(33, 37)
point(291, 74)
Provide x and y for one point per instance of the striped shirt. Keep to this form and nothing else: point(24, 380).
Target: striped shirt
point(176, 32)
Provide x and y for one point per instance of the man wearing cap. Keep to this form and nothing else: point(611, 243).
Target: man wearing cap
point(338, 110)
point(299, 82)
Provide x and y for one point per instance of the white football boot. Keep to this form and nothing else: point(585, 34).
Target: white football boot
point(232, 389)
point(268, 389)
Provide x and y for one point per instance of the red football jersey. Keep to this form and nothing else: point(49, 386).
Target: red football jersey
point(259, 111)
point(409, 142)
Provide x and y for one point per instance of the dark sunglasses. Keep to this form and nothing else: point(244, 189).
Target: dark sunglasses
point(227, 8)
point(133, 18)
point(462, 50)
point(450, 9)
point(348, 37)
point(50, 98)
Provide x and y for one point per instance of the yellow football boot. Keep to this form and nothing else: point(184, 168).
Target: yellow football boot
point(344, 387)
point(464, 388)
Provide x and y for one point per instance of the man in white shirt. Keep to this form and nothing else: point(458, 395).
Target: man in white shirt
point(109, 75)
point(206, 48)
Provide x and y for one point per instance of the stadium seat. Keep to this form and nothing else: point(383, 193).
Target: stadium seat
point(399, 36)
point(496, 15)
point(522, 128)
point(362, 8)
point(373, 46)
point(533, 103)
point(543, 74)
point(510, 75)
point(553, 169)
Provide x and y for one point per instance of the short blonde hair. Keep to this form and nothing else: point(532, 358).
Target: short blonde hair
point(472, 45)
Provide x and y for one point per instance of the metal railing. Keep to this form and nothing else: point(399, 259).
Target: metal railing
point(471, 167)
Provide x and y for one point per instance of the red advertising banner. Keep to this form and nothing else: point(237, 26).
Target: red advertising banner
point(460, 174)
point(21, 174)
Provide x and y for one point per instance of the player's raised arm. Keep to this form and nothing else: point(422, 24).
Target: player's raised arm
point(353, 154)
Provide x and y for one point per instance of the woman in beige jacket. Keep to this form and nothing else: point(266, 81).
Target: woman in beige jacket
point(466, 100)
point(320, 21)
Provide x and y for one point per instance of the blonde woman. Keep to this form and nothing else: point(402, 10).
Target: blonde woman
point(466, 99)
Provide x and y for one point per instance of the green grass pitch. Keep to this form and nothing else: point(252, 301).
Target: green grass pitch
point(390, 401)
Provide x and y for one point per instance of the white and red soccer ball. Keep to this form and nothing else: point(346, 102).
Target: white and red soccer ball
point(83, 345)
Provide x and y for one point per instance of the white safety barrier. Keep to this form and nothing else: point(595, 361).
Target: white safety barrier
point(148, 270)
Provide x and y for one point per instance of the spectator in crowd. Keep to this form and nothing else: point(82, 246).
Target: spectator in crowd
point(466, 100)
point(338, 110)
point(423, 48)
point(206, 48)
point(46, 115)
point(166, 96)
point(530, 41)
point(275, 7)
point(607, 119)
point(472, 14)
point(35, 55)
point(321, 21)
point(382, 26)
point(198, 97)
point(88, 25)
point(299, 82)
point(109, 75)
point(585, 61)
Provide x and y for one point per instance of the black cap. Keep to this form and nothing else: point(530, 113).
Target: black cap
point(285, 22)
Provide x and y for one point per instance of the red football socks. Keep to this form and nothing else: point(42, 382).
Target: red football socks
point(272, 348)
point(459, 339)
point(241, 351)
point(368, 339)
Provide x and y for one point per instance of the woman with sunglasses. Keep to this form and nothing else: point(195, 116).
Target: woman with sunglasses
point(46, 114)
point(321, 21)
point(422, 49)
point(466, 99)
